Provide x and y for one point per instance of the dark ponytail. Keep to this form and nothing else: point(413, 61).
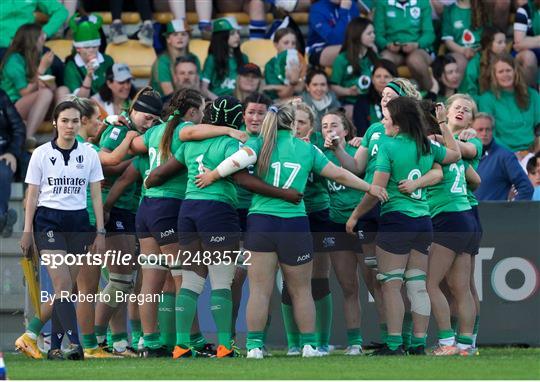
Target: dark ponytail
point(181, 101)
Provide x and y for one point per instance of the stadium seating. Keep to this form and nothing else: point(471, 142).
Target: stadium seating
point(137, 56)
point(61, 48)
point(199, 48)
point(259, 51)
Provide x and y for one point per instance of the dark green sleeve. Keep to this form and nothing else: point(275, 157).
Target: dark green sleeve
point(270, 75)
point(447, 24)
point(379, 24)
point(339, 69)
point(57, 15)
point(209, 69)
point(72, 77)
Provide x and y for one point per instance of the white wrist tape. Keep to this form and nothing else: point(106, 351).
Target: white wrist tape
point(238, 161)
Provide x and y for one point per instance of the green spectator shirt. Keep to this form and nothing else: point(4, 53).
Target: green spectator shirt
point(316, 194)
point(398, 157)
point(342, 75)
point(397, 22)
point(14, 76)
point(271, 77)
point(174, 187)
point(514, 127)
point(221, 86)
point(75, 71)
point(291, 163)
point(14, 13)
point(470, 84)
point(457, 27)
point(162, 71)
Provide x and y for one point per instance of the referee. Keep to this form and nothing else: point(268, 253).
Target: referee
point(58, 175)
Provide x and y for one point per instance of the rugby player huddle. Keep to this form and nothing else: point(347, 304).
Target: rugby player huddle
point(236, 191)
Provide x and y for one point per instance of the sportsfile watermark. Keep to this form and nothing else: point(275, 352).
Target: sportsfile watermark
point(119, 258)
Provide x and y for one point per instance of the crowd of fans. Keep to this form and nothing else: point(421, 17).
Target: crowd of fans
point(352, 49)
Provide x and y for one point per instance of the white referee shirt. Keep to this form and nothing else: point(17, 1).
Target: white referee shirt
point(63, 175)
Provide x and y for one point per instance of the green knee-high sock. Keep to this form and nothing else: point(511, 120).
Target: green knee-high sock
point(89, 341)
point(416, 342)
point(308, 339)
point(34, 326)
point(110, 340)
point(186, 306)
point(394, 341)
point(267, 326)
point(384, 332)
point(254, 340)
point(293, 334)
point(198, 341)
point(120, 340)
point(406, 332)
point(167, 320)
point(354, 336)
point(221, 307)
point(152, 341)
point(101, 333)
point(324, 315)
point(136, 333)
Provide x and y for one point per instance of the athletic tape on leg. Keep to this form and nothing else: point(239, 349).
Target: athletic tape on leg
point(221, 276)
point(192, 281)
point(117, 283)
point(415, 282)
point(395, 274)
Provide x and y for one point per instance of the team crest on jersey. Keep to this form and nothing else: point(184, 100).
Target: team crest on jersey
point(349, 69)
point(115, 133)
point(467, 38)
point(458, 24)
point(415, 12)
point(119, 225)
point(375, 136)
point(79, 160)
point(53, 160)
point(364, 82)
point(50, 235)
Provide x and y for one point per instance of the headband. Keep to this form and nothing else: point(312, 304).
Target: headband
point(397, 88)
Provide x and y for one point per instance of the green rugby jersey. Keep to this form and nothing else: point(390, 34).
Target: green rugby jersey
point(208, 153)
point(111, 138)
point(450, 194)
point(343, 200)
point(457, 26)
point(75, 71)
point(474, 163)
point(398, 157)
point(372, 141)
point(141, 164)
point(174, 187)
point(244, 196)
point(89, 204)
point(290, 165)
point(316, 194)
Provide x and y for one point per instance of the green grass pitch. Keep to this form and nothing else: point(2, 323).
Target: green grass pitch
point(492, 363)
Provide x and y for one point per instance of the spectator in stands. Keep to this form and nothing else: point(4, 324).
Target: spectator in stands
point(186, 74)
point(515, 107)
point(117, 92)
point(498, 12)
point(318, 95)
point(448, 77)
point(352, 69)
point(13, 14)
point(86, 69)
point(478, 72)
point(21, 69)
point(367, 109)
point(248, 82)
point(533, 172)
point(328, 20)
point(404, 33)
point(462, 29)
point(499, 168)
point(224, 58)
point(117, 32)
point(177, 36)
point(284, 81)
point(12, 136)
point(527, 39)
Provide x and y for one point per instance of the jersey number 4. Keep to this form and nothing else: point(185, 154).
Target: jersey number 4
point(295, 167)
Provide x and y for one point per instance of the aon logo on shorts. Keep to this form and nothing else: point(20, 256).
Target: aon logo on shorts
point(304, 257)
point(217, 239)
point(167, 233)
